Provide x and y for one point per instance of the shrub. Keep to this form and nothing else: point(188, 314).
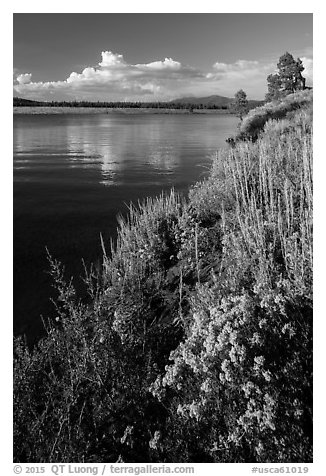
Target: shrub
point(253, 124)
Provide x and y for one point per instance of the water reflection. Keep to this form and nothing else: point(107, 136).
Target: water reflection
point(89, 147)
point(32, 137)
point(116, 149)
point(116, 146)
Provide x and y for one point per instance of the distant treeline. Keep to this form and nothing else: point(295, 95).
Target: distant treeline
point(20, 102)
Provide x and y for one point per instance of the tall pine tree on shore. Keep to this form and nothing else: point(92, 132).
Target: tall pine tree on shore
point(287, 79)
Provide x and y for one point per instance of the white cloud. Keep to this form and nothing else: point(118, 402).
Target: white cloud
point(308, 69)
point(111, 60)
point(115, 79)
point(239, 69)
point(168, 64)
point(240, 65)
point(114, 76)
point(242, 74)
point(24, 78)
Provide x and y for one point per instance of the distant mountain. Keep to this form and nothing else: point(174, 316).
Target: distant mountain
point(206, 101)
point(215, 100)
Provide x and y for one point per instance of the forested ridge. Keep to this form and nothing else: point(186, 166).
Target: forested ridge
point(212, 102)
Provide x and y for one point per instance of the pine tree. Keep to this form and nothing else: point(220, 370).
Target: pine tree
point(274, 87)
point(240, 104)
point(287, 80)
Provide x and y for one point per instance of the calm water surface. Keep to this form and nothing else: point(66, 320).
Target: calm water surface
point(74, 173)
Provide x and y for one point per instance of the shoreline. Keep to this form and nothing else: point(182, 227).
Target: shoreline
point(47, 110)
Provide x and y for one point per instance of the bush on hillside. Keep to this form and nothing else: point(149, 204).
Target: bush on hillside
point(253, 124)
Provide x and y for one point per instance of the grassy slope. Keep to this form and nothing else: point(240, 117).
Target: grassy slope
point(196, 342)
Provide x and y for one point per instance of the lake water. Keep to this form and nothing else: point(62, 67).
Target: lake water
point(74, 173)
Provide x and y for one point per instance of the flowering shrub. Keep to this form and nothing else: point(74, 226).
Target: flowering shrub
point(244, 372)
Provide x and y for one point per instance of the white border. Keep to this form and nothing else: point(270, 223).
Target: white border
point(169, 6)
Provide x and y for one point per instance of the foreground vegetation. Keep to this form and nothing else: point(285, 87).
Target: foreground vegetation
point(196, 342)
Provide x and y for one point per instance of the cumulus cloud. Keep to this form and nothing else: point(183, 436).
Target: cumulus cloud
point(111, 60)
point(113, 79)
point(24, 78)
point(168, 64)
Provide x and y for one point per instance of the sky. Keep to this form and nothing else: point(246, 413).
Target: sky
point(153, 57)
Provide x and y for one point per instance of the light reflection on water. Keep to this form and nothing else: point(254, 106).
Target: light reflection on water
point(113, 155)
